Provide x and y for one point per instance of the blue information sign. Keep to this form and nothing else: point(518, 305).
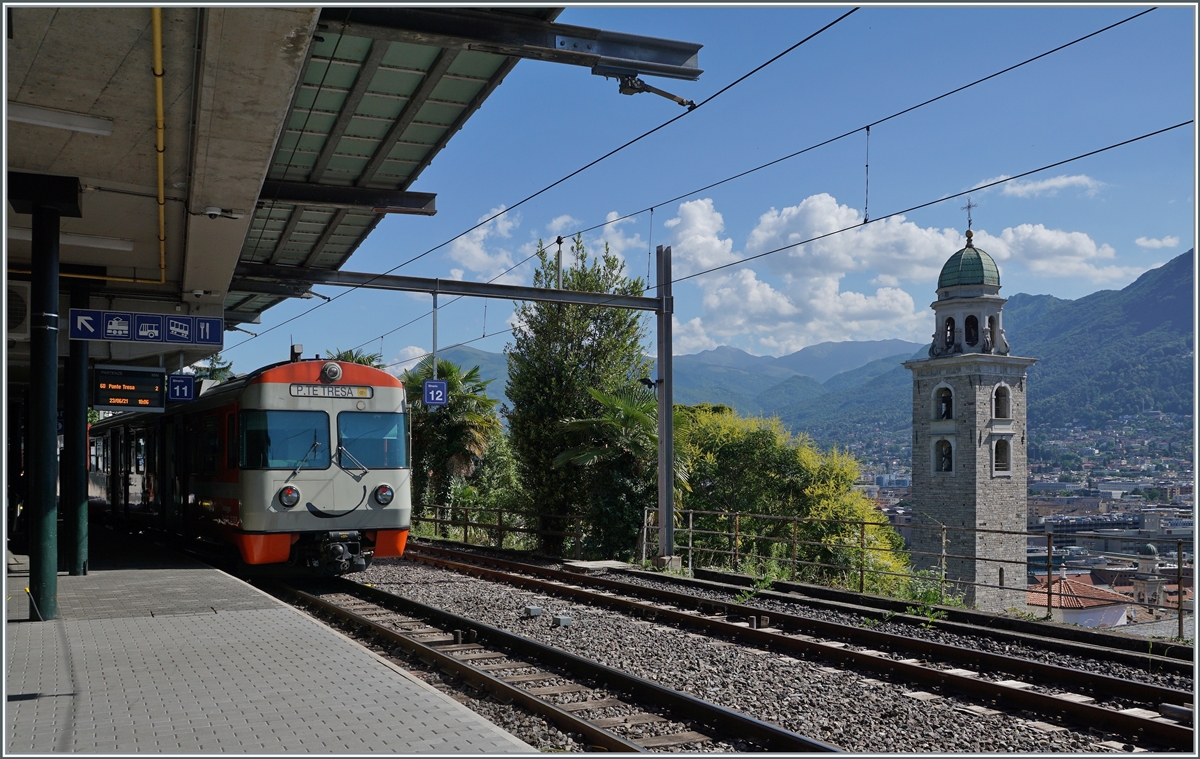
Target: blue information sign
point(148, 328)
point(179, 329)
point(181, 387)
point(436, 393)
point(93, 324)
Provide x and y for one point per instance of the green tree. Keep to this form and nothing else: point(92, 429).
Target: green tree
point(558, 352)
point(356, 356)
point(448, 441)
point(621, 447)
point(217, 369)
point(755, 466)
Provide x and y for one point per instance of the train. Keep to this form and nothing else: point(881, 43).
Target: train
point(303, 464)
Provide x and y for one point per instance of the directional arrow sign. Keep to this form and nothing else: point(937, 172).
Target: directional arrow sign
point(85, 324)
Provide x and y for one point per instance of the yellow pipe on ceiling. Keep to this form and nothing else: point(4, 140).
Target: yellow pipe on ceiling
point(159, 147)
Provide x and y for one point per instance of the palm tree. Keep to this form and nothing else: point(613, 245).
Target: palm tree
point(627, 427)
point(356, 356)
point(622, 450)
point(448, 441)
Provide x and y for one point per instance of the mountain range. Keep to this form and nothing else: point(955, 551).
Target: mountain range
point(1109, 353)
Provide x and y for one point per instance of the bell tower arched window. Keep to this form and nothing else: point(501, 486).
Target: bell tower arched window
point(991, 328)
point(1001, 405)
point(944, 404)
point(943, 456)
point(1003, 456)
point(948, 333)
point(971, 327)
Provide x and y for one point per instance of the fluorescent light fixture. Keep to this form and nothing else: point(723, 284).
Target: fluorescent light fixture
point(81, 241)
point(48, 117)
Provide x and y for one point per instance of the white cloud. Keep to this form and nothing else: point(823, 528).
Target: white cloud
point(1051, 186)
point(894, 248)
point(456, 274)
point(406, 359)
point(476, 251)
point(810, 307)
point(560, 224)
point(1149, 242)
point(696, 238)
point(689, 337)
point(618, 241)
point(1056, 253)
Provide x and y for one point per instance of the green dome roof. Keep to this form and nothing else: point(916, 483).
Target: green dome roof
point(969, 266)
point(1148, 550)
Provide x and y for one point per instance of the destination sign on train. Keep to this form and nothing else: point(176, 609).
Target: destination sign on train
point(128, 388)
point(332, 391)
point(133, 327)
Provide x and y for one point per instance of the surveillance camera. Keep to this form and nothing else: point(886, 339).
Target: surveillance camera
point(198, 293)
point(213, 212)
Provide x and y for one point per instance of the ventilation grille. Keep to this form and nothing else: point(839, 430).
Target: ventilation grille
point(18, 310)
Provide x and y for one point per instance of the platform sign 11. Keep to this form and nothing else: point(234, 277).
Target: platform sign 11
point(437, 393)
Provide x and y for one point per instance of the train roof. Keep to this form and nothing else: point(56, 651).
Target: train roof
point(304, 370)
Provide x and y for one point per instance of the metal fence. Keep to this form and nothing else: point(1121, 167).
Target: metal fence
point(764, 544)
point(496, 528)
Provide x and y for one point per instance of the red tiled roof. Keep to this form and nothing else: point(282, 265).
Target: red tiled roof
point(1070, 594)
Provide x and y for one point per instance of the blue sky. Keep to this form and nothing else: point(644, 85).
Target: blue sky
point(1094, 224)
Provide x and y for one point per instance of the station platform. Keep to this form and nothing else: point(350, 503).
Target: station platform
point(154, 652)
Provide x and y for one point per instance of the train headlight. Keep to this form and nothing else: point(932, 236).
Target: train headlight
point(289, 496)
point(384, 495)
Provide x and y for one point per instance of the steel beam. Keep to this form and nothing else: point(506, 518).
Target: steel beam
point(666, 409)
point(605, 53)
point(319, 245)
point(415, 102)
point(366, 72)
point(351, 198)
point(274, 276)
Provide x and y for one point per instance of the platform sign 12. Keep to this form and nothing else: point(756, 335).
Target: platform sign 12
point(436, 393)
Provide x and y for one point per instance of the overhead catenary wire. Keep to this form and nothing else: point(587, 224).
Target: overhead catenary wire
point(942, 199)
point(910, 209)
point(574, 173)
point(865, 127)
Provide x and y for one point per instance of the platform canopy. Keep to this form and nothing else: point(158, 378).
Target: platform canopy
point(288, 134)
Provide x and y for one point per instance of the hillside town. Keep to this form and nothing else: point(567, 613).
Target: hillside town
point(1115, 504)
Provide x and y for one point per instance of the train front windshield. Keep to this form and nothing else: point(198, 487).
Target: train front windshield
point(376, 441)
point(285, 440)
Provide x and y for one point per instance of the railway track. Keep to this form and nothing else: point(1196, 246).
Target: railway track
point(610, 709)
point(1149, 715)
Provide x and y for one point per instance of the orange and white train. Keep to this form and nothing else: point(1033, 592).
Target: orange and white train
point(303, 463)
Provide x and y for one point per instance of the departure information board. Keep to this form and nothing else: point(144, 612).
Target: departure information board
point(129, 388)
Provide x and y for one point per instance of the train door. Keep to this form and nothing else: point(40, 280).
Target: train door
point(136, 492)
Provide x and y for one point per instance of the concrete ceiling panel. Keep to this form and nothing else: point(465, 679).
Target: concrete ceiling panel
point(251, 60)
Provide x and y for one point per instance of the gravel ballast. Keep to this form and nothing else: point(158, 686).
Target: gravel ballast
point(857, 712)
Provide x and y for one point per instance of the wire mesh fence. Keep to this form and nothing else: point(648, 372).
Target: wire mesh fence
point(861, 556)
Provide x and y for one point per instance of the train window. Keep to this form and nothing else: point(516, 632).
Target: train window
point(231, 447)
point(210, 445)
point(284, 440)
point(374, 440)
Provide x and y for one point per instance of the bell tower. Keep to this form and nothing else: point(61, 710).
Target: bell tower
point(969, 440)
